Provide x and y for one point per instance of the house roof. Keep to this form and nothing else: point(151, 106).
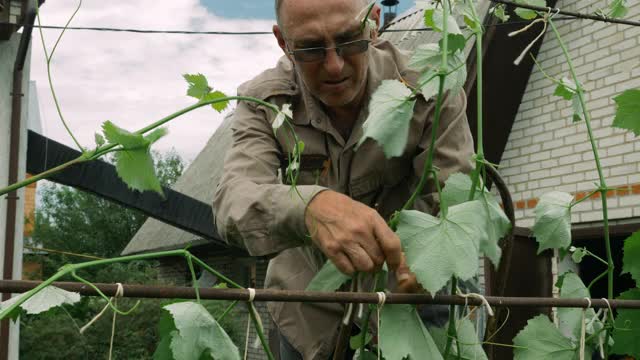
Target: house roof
point(200, 179)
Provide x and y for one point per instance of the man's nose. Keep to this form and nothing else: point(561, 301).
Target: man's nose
point(333, 63)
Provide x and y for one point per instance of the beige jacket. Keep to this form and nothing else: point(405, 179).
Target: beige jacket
point(256, 210)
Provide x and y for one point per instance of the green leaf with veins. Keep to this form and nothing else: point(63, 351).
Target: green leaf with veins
point(552, 228)
point(578, 255)
point(427, 60)
point(631, 258)
point(355, 342)
point(99, 139)
point(329, 278)
point(437, 249)
point(134, 163)
point(628, 111)
point(618, 9)
point(415, 342)
point(198, 334)
point(570, 319)
point(566, 89)
point(500, 12)
point(434, 18)
point(455, 42)
point(540, 339)
point(214, 95)
point(470, 346)
point(526, 13)
point(198, 85)
point(390, 113)
point(43, 300)
point(470, 19)
point(457, 190)
point(627, 327)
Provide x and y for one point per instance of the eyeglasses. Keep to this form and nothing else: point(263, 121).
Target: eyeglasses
point(319, 53)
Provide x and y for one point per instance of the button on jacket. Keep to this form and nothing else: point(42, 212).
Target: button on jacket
point(256, 209)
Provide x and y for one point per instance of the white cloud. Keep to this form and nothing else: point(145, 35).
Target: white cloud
point(135, 79)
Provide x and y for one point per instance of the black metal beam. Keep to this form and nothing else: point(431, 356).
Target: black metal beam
point(101, 179)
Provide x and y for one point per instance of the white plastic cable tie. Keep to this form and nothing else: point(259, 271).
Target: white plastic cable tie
point(252, 294)
point(601, 340)
point(382, 298)
point(485, 303)
point(583, 328)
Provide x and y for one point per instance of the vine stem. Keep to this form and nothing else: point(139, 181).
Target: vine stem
point(88, 156)
point(603, 184)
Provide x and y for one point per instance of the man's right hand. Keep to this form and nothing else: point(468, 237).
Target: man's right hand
point(355, 237)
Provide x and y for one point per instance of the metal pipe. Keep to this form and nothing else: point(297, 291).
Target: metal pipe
point(168, 292)
point(14, 158)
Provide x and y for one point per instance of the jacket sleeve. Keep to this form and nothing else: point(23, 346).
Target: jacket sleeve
point(252, 208)
point(453, 148)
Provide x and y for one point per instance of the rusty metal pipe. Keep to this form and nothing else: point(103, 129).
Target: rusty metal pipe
point(169, 292)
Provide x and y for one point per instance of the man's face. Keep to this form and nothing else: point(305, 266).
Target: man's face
point(337, 81)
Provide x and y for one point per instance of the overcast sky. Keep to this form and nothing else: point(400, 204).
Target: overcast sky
point(135, 79)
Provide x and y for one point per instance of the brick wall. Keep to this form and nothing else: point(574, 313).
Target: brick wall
point(546, 151)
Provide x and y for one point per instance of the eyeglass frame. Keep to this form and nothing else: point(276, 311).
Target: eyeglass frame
point(339, 48)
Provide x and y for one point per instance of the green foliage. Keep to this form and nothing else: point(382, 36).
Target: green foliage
point(195, 334)
point(570, 319)
point(329, 278)
point(437, 249)
point(390, 112)
point(427, 59)
point(199, 88)
point(617, 9)
point(568, 90)
point(627, 327)
point(457, 190)
point(434, 18)
point(631, 258)
point(43, 300)
point(628, 111)
point(99, 139)
point(499, 11)
point(552, 228)
point(540, 339)
point(134, 163)
point(470, 346)
point(415, 341)
point(355, 342)
point(526, 13)
point(578, 254)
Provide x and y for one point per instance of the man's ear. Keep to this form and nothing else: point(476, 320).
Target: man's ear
point(375, 16)
point(280, 37)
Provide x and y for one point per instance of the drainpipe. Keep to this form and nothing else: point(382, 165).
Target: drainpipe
point(14, 158)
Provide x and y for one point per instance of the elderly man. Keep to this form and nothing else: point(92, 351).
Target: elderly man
point(328, 72)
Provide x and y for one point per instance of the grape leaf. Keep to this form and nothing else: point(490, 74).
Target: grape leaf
point(455, 42)
point(470, 19)
point(415, 342)
point(578, 110)
point(219, 106)
point(627, 327)
point(198, 85)
point(134, 163)
point(390, 112)
point(618, 9)
point(570, 319)
point(552, 228)
point(99, 139)
point(631, 258)
point(198, 333)
point(329, 278)
point(457, 190)
point(470, 346)
point(628, 111)
point(526, 13)
point(500, 12)
point(540, 339)
point(355, 342)
point(566, 89)
point(578, 255)
point(434, 18)
point(437, 249)
point(44, 300)
point(427, 59)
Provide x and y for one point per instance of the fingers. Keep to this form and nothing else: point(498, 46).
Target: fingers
point(407, 281)
point(360, 259)
point(389, 243)
point(342, 262)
